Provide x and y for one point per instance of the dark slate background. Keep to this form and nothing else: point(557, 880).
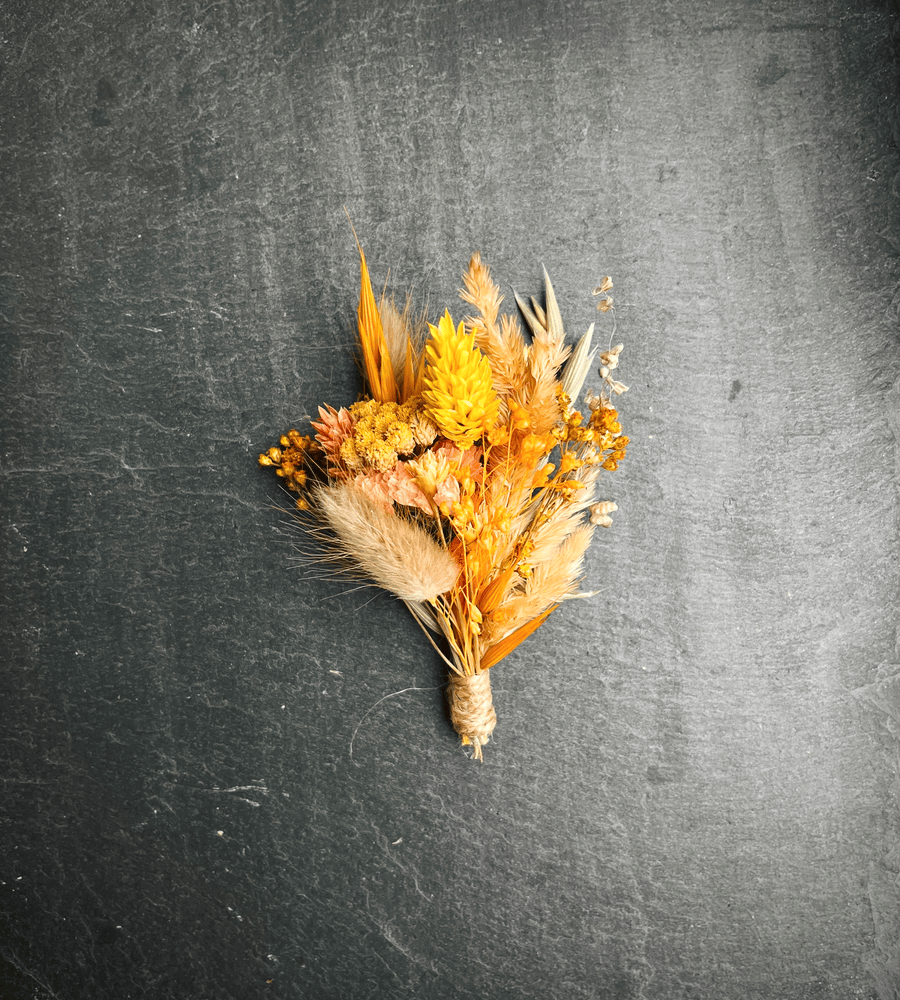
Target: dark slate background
point(207, 792)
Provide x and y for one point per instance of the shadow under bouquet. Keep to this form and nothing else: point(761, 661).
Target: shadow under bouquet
point(464, 481)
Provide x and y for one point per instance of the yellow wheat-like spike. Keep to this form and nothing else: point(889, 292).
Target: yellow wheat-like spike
point(458, 390)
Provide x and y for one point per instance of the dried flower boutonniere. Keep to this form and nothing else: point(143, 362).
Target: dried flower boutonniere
point(438, 484)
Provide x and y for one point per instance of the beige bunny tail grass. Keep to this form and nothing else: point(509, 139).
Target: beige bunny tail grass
point(393, 551)
point(396, 335)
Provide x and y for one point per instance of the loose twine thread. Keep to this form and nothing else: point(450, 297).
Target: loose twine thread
point(472, 708)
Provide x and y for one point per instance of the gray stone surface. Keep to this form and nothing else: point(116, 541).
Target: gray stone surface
point(692, 791)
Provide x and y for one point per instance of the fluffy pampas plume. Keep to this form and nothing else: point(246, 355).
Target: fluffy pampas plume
point(464, 480)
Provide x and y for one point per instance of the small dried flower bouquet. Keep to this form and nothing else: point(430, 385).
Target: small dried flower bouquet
point(439, 486)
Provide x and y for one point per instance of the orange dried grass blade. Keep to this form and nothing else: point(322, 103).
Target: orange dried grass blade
point(505, 646)
point(375, 357)
point(492, 593)
point(388, 381)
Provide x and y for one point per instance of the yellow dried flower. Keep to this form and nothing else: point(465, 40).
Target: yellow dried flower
point(349, 455)
point(429, 471)
point(459, 394)
point(289, 461)
point(382, 432)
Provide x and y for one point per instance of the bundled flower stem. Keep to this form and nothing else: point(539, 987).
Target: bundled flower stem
point(439, 486)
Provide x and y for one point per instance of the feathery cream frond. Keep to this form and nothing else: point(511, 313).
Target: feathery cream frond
point(550, 583)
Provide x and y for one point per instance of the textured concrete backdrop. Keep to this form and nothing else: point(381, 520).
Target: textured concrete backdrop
point(693, 788)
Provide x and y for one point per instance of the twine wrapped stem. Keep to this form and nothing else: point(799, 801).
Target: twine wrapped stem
point(472, 708)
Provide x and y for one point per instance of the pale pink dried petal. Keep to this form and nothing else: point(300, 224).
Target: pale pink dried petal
point(403, 489)
point(373, 486)
point(470, 458)
point(332, 428)
point(447, 491)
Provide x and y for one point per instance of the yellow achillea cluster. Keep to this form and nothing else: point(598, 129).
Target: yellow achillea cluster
point(382, 432)
point(465, 481)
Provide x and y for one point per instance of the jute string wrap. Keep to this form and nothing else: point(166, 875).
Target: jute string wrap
point(472, 708)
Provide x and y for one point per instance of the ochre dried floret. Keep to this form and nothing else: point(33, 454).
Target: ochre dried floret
point(290, 460)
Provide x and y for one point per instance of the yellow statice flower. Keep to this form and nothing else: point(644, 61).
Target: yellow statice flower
point(458, 394)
